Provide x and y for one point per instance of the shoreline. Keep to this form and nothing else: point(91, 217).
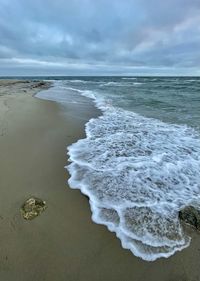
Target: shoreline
point(63, 243)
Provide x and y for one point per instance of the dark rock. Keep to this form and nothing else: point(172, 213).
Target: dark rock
point(190, 215)
point(32, 208)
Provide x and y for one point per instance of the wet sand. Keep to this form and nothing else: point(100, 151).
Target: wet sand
point(63, 243)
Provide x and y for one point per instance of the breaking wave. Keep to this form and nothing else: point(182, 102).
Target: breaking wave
point(138, 173)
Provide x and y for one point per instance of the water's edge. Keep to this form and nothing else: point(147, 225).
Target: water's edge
point(120, 165)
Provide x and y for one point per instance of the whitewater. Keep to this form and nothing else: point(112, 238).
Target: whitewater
point(138, 171)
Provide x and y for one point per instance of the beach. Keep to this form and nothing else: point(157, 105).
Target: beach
point(62, 243)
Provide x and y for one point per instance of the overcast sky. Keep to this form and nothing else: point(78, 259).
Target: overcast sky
point(99, 37)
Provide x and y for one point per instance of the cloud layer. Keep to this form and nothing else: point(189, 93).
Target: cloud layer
point(136, 37)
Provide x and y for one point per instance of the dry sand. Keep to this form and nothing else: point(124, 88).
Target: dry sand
point(62, 244)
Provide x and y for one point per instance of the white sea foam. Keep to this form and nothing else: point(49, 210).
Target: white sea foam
point(120, 84)
point(138, 83)
point(138, 173)
point(77, 81)
point(192, 80)
point(111, 83)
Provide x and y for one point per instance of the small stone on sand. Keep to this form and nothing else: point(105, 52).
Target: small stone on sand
point(32, 208)
point(191, 216)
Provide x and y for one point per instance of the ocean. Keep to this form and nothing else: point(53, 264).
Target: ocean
point(140, 161)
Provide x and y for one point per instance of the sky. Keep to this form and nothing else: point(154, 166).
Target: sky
point(99, 37)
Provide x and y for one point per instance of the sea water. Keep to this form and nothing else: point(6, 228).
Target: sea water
point(140, 161)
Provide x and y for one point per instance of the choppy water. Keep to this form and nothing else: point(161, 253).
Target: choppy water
point(140, 161)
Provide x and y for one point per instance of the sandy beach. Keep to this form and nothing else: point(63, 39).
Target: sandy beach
point(62, 243)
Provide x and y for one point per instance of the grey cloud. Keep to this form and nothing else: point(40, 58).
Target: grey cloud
point(107, 36)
